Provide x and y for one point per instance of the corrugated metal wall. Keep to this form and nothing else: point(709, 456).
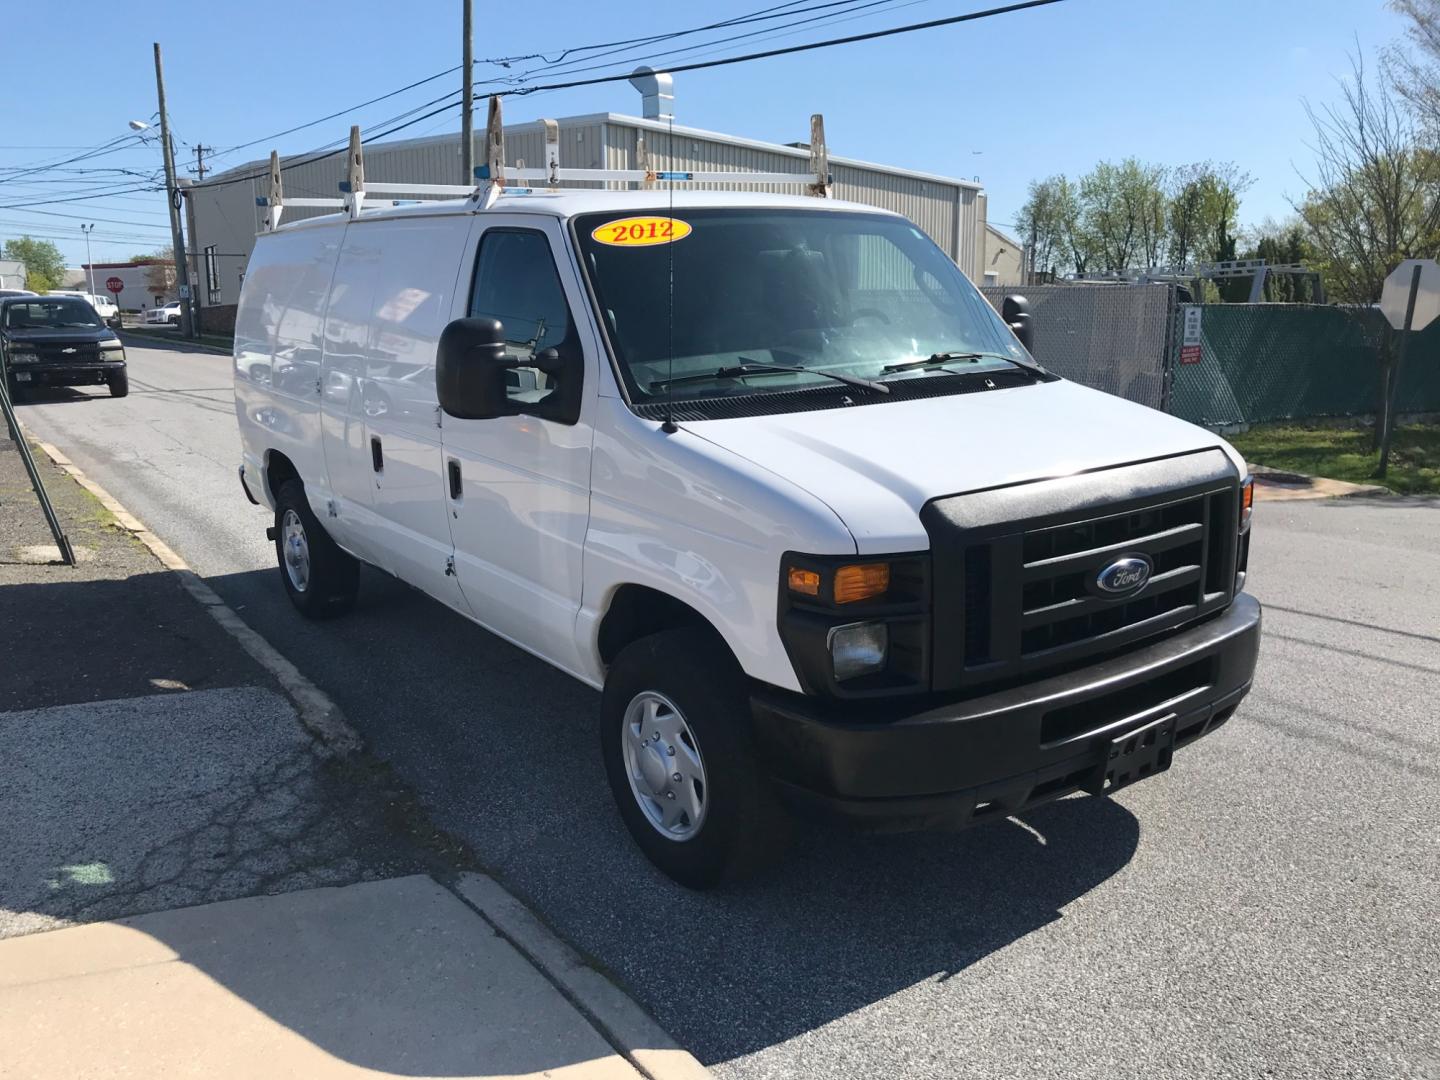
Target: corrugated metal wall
point(226, 214)
point(948, 213)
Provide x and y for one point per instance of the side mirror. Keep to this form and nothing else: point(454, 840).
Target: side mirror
point(1015, 310)
point(470, 367)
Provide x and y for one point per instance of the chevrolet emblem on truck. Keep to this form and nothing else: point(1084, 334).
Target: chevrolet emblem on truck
point(1124, 576)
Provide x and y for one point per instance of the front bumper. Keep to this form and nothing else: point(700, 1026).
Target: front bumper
point(50, 374)
point(1013, 749)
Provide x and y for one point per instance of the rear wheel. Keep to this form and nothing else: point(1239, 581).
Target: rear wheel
point(682, 767)
point(119, 383)
point(174, 320)
point(320, 579)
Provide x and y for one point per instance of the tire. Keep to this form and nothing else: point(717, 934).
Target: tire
point(320, 579)
point(119, 383)
point(688, 674)
point(174, 320)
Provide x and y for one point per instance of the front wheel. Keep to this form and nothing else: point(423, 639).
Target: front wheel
point(681, 763)
point(119, 383)
point(319, 577)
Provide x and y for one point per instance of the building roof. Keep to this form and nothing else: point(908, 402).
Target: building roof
point(1004, 236)
point(621, 119)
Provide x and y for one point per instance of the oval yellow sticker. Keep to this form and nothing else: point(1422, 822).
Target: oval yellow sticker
point(642, 231)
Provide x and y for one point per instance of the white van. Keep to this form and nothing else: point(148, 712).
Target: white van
point(770, 473)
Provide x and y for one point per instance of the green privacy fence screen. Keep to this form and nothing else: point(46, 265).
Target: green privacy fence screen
point(1263, 362)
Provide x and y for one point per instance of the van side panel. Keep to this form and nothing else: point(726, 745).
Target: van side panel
point(411, 267)
point(279, 328)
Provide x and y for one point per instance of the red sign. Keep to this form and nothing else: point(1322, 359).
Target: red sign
point(1189, 354)
point(115, 285)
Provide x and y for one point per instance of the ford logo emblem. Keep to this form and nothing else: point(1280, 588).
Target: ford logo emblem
point(1124, 576)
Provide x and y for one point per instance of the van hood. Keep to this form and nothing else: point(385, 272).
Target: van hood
point(875, 466)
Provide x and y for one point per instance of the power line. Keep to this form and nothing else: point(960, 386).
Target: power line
point(791, 49)
point(73, 198)
point(764, 13)
point(931, 24)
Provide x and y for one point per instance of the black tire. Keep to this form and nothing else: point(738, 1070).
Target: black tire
point(742, 827)
point(119, 383)
point(174, 320)
point(332, 578)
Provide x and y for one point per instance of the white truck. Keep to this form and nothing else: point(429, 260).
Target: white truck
point(769, 473)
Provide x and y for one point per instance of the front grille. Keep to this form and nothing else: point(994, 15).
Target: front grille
point(56, 354)
point(1021, 598)
point(1061, 608)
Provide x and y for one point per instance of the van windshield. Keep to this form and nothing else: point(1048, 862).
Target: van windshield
point(863, 295)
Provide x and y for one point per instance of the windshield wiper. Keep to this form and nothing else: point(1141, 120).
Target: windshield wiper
point(940, 358)
point(748, 368)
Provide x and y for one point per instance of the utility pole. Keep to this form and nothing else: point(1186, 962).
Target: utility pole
point(467, 119)
point(172, 198)
point(200, 168)
point(89, 262)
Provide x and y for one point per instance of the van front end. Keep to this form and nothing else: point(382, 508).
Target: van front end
point(1058, 636)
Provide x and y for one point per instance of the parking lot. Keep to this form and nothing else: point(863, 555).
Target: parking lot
point(1267, 908)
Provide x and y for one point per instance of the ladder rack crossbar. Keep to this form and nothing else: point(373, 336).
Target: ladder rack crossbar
point(641, 176)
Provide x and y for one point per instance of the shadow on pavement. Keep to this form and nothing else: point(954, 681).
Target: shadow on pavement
point(503, 753)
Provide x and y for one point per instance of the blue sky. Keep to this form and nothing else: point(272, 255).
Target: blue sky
point(1007, 99)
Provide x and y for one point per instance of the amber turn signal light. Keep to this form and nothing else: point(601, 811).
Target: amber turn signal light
point(1247, 501)
point(861, 582)
point(805, 582)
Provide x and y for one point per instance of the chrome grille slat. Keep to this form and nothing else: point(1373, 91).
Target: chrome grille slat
point(1155, 542)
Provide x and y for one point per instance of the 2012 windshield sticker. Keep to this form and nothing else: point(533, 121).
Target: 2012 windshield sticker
point(642, 231)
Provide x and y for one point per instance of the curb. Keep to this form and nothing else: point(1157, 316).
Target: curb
point(618, 1019)
point(318, 714)
point(643, 1042)
point(145, 335)
point(1279, 485)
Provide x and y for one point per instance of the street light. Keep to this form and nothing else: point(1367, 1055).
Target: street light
point(89, 262)
point(138, 125)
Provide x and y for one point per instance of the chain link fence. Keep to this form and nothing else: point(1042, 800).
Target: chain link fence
point(1260, 362)
point(1115, 338)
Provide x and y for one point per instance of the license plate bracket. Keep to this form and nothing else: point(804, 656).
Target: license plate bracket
point(1137, 755)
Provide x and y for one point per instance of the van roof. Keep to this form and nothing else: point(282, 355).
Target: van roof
point(570, 202)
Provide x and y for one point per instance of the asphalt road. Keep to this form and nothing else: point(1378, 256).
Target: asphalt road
point(1267, 908)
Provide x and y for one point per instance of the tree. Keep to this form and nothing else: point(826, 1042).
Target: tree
point(1374, 198)
point(1122, 212)
point(1282, 244)
point(44, 265)
point(1204, 202)
point(1414, 72)
point(1042, 222)
point(160, 273)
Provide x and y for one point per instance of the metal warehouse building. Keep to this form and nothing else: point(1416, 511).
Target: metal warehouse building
point(224, 218)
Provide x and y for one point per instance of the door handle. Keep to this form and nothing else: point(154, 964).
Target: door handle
point(377, 455)
point(455, 485)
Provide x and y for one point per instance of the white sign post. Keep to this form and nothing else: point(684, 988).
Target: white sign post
point(1410, 299)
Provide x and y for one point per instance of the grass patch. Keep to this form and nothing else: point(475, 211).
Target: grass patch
point(1346, 453)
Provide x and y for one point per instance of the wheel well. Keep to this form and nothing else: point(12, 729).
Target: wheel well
point(278, 469)
point(638, 611)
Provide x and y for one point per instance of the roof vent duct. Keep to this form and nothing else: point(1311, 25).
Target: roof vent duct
point(658, 91)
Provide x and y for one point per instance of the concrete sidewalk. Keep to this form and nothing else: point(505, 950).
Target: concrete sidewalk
point(395, 978)
point(259, 903)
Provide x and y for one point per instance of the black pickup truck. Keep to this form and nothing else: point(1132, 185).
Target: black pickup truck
point(59, 341)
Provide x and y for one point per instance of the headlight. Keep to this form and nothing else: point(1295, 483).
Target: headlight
point(857, 629)
point(1242, 541)
point(858, 649)
point(112, 343)
point(24, 358)
point(1247, 502)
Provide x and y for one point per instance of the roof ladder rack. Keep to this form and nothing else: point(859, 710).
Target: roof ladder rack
point(492, 178)
point(817, 182)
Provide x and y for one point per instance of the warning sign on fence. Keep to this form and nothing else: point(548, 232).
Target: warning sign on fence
point(1190, 336)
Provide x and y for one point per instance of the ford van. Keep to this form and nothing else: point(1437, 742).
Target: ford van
point(771, 475)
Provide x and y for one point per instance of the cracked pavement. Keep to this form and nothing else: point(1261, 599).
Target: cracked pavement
point(149, 762)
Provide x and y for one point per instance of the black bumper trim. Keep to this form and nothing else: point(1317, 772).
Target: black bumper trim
point(969, 759)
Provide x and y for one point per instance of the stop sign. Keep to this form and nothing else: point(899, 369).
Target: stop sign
point(1395, 294)
point(115, 285)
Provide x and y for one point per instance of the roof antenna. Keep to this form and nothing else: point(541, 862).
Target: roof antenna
point(669, 426)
